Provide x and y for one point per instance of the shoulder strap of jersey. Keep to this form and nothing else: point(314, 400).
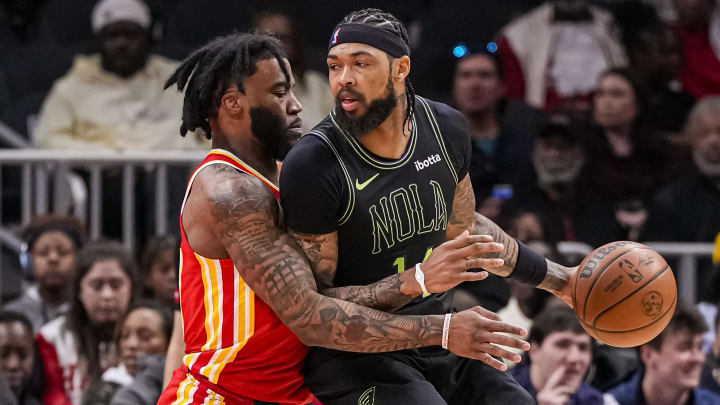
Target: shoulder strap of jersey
point(351, 191)
point(223, 157)
point(438, 136)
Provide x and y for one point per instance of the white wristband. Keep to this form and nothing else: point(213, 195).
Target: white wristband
point(446, 331)
point(420, 278)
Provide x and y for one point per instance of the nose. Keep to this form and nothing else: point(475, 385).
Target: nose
point(346, 77)
point(107, 292)
point(294, 106)
point(13, 362)
point(132, 343)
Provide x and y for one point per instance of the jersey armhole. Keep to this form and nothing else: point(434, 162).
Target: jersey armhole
point(351, 192)
point(439, 137)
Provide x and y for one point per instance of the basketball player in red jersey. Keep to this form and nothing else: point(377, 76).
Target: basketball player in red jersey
point(248, 297)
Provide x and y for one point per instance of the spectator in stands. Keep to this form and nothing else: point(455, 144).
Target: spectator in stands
point(78, 347)
point(19, 361)
point(560, 354)
point(52, 243)
point(115, 99)
point(672, 365)
point(674, 216)
point(626, 159)
point(698, 28)
point(311, 87)
point(569, 209)
point(20, 23)
point(654, 53)
point(143, 331)
point(710, 379)
point(555, 53)
point(159, 268)
point(502, 129)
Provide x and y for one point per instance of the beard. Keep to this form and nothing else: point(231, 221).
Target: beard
point(377, 112)
point(555, 177)
point(270, 130)
point(708, 168)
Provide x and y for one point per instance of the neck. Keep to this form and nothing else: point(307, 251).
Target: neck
point(390, 138)
point(557, 192)
point(535, 379)
point(53, 297)
point(249, 150)
point(657, 392)
point(619, 139)
point(481, 122)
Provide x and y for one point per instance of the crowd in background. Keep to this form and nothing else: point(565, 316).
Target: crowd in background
point(591, 122)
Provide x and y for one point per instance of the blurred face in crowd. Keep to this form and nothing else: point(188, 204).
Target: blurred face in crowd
point(557, 160)
point(142, 333)
point(280, 26)
point(125, 47)
point(53, 259)
point(17, 354)
point(162, 277)
point(367, 85)
point(694, 13)
point(657, 54)
point(477, 87)
point(706, 144)
point(105, 291)
point(679, 361)
point(567, 351)
point(615, 103)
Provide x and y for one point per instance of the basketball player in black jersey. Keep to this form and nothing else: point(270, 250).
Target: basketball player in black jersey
point(368, 194)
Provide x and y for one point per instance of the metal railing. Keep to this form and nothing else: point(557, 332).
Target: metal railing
point(41, 168)
point(687, 253)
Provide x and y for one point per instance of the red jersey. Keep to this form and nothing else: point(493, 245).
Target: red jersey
point(233, 339)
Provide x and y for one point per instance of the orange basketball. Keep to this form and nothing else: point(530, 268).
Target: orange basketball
point(625, 294)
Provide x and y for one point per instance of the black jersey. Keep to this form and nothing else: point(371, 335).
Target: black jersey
point(389, 214)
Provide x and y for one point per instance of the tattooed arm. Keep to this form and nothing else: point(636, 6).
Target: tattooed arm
point(445, 268)
point(244, 220)
point(464, 217)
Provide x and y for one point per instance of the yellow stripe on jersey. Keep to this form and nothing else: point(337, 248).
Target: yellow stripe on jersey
point(244, 307)
point(183, 392)
point(245, 166)
point(217, 297)
point(207, 301)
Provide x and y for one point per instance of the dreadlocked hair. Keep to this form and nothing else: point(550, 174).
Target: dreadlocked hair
point(219, 64)
point(377, 18)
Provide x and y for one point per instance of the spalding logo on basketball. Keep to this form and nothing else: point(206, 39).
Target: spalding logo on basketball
point(652, 303)
point(625, 294)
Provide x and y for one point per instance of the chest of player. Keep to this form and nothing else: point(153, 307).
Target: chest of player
point(397, 211)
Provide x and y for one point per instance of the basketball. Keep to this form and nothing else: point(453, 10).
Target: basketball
point(625, 294)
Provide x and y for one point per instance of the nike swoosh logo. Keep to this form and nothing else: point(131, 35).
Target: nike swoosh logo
point(364, 184)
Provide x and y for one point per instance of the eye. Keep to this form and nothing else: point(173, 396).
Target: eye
point(361, 64)
point(281, 93)
point(333, 67)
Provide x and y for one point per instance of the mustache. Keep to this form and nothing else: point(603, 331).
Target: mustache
point(297, 123)
point(348, 91)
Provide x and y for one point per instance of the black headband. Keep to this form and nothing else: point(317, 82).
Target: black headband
point(373, 36)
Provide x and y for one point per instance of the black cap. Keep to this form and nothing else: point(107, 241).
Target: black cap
point(559, 124)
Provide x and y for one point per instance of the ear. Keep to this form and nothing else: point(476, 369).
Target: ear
point(401, 68)
point(233, 102)
point(646, 354)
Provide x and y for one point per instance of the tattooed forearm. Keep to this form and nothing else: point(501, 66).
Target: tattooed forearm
point(246, 223)
point(389, 294)
point(384, 295)
point(464, 217)
point(484, 226)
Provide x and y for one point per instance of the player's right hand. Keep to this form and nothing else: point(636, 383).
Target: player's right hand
point(449, 263)
point(474, 334)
